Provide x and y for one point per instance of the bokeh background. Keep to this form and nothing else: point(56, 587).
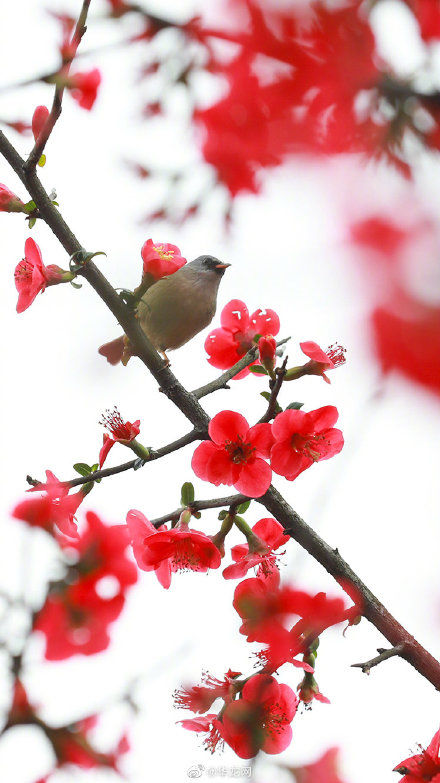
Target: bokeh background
point(290, 250)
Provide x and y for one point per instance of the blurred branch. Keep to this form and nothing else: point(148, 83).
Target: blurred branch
point(383, 656)
point(55, 111)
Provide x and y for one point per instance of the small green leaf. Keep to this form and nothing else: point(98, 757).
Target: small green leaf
point(139, 463)
point(75, 285)
point(223, 514)
point(30, 206)
point(295, 406)
point(257, 337)
point(187, 494)
point(243, 507)
point(42, 161)
point(32, 222)
point(82, 468)
point(55, 203)
point(266, 395)
point(257, 369)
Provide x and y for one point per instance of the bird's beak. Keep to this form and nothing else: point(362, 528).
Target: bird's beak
point(222, 266)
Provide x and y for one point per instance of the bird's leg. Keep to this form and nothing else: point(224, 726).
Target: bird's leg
point(165, 358)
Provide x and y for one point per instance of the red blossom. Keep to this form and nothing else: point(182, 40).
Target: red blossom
point(427, 13)
point(200, 698)
point(209, 724)
point(167, 551)
point(161, 259)
point(324, 770)
point(422, 766)
point(73, 745)
point(259, 552)
point(76, 617)
point(304, 438)
point(120, 432)
point(31, 276)
point(320, 360)
point(84, 87)
point(55, 507)
point(261, 719)
point(9, 202)
point(227, 344)
point(235, 454)
point(39, 119)
point(407, 339)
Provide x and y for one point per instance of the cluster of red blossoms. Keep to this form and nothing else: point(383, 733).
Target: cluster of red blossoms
point(257, 711)
point(236, 454)
point(321, 88)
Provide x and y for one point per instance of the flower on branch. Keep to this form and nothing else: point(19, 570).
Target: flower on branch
point(39, 119)
point(261, 718)
point(31, 276)
point(161, 259)
point(55, 507)
point(200, 698)
point(228, 343)
point(266, 537)
point(304, 438)
point(235, 454)
point(167, 551)
point(267, 349)
point(120, 432)
point(422, 766)
point(321, 361)
point(78, 611)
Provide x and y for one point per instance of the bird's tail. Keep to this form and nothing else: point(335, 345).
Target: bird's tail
point(113, 351)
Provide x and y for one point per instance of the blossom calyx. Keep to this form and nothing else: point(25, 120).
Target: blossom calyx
point(9, 202)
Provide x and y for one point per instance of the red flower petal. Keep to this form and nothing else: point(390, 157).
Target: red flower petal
point(254, 479)
point(227, 426)
point(235, 316)
point(265, 322)
point(260, 435)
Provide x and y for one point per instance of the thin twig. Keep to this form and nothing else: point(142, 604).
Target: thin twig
point(383, 656)
point(280, 372)
point(222, 381)
point(155, 454)
point(55, 111)
point(231, 501)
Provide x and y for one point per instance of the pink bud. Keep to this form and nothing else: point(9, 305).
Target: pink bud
point(39, 120)
point(267, 347)
point(9, 202)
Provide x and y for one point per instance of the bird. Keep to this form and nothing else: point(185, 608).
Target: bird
point(174, 309)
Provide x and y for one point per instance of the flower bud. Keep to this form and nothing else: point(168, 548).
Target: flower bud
point(9, 202)
point(39, 120)
point(267, 347)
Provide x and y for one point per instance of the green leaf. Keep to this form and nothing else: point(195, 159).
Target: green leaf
point(295, 406)
point(187, 494)
point(223, 514)
point(243, 507)
point(257, 369)
point(82, 468)
point(266, 395)
point(32, 222)
point(42, 161)
point(30, 206)
point(257, 337)
point(75, 285)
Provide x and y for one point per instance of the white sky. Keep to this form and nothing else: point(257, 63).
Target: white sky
point(377, 501)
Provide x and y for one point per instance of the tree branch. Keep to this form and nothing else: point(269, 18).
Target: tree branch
point(55, 111)
point(200, 505)
point(383, 656)
point(329, 558)
point(155, 454)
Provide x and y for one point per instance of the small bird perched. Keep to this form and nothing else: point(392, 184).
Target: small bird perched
point(175, 308)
